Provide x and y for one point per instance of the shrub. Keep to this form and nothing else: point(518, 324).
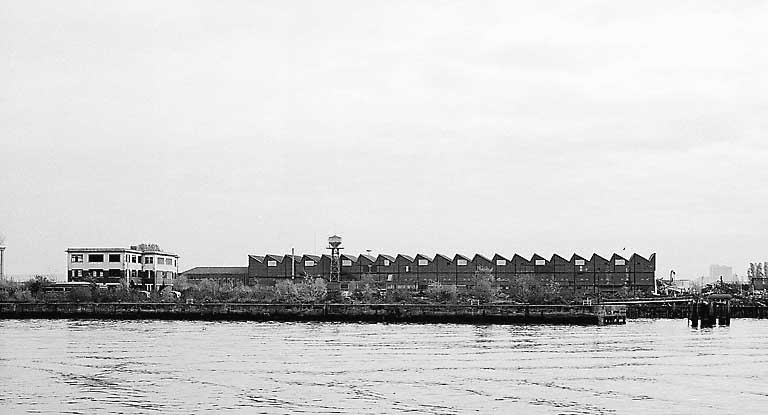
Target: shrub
point(80, 295)
point(286, 292)
point(484, 290)
point(364, 290)
point(399, 295)
point(37, 284)
point(442, 293)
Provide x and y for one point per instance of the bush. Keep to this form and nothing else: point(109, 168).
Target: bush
point(80, 295)
point(364, 290)
point(534, 289)
point(312, 291)
point(399, 296)
point(37, 285)
point(286, 292)
point(442, 293)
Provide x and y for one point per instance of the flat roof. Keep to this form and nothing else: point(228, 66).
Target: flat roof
point(216, 270)
point(133, 251)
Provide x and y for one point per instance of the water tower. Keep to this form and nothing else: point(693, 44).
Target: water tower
point(334, 244)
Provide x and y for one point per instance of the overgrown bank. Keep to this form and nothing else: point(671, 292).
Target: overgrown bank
point(301, 290)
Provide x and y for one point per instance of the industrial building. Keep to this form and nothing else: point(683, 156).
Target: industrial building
point(143, 266)
point(231, 275)
point(577, 274)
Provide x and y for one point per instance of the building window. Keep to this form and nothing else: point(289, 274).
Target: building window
point(133, 273)
point(541, 262)
point(79, 272)
point(148, 260)
point(77, 258)
point(309, 263)
point(461, 262)
point(133, 258)
point(501, 262)
point(407, 268)
point(346, 263)
point(423, 262)
point(96, 258)
point(579, 262)
point(389, 277)
point(114, 257)
point(621, 262)
point(271, 263)
point(387, 263)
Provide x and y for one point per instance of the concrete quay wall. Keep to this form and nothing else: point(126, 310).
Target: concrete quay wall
point(409, 313)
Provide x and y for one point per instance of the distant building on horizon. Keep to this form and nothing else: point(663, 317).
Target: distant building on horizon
point(143, 266)
point(2, 262)
point(716, 271)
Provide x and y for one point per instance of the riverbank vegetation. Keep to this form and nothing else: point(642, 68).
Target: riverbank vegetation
point(301, 290)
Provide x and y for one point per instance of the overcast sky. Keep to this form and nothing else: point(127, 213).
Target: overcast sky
point(219, 129)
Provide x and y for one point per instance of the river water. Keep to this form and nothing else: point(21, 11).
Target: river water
point(644, 367)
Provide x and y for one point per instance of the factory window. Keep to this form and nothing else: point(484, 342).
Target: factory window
point(346, 263)
point(579, 262)
point(541, 262)
point(621, 262)
point(387, 263)
point(309, 263)
point(96, 258)
point(271, 263)
point(501, 262)
point(77, 258)
point(461, 262)
point(114, 257)
point(423, 262)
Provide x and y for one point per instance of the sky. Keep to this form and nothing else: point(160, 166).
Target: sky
point(222, 129)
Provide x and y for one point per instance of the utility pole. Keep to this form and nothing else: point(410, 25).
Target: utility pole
point(293, 264)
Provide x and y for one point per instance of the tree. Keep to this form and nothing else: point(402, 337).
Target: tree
point(534, 289)
point(37, 284)
point(484, 289)
point(759, 273)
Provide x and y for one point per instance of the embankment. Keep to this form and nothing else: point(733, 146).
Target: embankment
point(409, 313)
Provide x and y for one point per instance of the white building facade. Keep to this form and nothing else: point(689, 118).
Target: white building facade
point(143, 266)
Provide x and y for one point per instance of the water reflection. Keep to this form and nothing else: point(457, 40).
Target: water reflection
point(240, 367)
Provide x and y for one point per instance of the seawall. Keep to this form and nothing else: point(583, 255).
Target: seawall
point(408, 313)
